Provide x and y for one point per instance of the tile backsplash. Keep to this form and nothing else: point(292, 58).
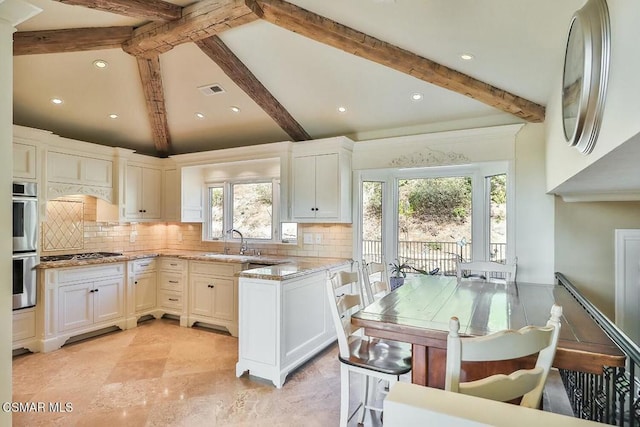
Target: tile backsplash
point(329, 240)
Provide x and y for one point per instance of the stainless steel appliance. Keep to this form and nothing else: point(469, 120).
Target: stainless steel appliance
point(25, 217)
point(24, 280)
point(25, 244)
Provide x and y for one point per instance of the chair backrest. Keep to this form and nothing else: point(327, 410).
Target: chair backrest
point(487, 270)
point(504, 345)
point(375, 281)
point(343, 302)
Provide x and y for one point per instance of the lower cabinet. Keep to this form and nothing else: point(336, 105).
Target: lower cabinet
point(24, 329)
point(142, 293)
point(78, 300)
point(213, 294)
point(172, 283)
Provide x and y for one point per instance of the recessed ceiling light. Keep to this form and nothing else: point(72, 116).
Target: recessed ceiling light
point(235, 109)
point(466, 56)
point(113, 116)
point(56, 101)
point(342, 109)
point(416, 96)
point(199, 116)
point(100, 63)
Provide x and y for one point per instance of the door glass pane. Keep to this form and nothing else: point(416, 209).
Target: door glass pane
point(372, 221)
point(498, 218)
point(434, 223)
point(216, 203)
point(252, 209)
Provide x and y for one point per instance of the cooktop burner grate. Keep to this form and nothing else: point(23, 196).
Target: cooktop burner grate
point(74, 257)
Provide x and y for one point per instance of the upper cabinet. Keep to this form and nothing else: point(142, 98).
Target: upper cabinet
point(142, 192)
point(171, 194)
point(71, 169)
point(321, 181)
point(24, 161)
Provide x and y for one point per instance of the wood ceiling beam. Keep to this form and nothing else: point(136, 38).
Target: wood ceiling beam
point(215, 49)
point(323, 30)
point(152, 10)
point(71, 40)
point(200, 20)
point(154, 95)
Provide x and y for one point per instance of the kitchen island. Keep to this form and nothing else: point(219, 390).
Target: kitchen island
point(284, 317)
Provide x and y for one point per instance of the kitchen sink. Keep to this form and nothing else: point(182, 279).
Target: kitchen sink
point(255, 261)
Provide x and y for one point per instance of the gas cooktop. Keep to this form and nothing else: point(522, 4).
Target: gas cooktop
point(78, 257)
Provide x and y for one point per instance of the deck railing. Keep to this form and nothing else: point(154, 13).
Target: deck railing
point(428, 256)
point(613, 396)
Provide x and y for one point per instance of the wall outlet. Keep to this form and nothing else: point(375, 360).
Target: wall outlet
point(318, 238)
point(132, 236)
point(308, 238)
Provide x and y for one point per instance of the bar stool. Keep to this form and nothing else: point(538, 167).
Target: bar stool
point(374, 359)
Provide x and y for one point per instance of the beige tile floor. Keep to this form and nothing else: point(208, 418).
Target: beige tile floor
point(160, 374)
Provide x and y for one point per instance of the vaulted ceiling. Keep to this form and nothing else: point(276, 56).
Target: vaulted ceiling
point(286, 67)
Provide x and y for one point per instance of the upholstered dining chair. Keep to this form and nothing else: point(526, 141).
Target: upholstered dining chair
point(488, 270)
point(375, 281)
point(504, 345)
point(374, 359)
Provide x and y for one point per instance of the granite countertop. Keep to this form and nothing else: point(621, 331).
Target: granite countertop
point(274, 267)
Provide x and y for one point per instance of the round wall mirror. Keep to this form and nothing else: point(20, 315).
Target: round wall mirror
point(584, 81)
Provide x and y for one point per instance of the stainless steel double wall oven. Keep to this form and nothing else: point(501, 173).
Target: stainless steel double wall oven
point(25, 244)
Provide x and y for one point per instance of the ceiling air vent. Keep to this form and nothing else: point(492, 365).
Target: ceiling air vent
point(212, 89)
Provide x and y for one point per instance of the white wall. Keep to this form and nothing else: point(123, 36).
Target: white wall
point(12, 12)
point(6, 113)
point(534, 210)
point(621, 110)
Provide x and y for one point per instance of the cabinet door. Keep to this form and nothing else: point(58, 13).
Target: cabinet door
point(150, 197)
point(108, 299)
point(132, 191)
point(304, 187)
point(75, 306)
point(145, 291)
point(171, 194)
point(327, 186)
point(24, 161)
point(223, 306)
point(64, 168)
point(201, 295)
point(97, 172)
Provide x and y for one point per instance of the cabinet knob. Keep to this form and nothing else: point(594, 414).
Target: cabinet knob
point(210, 286)
point(140, 210)
point(144, 210)
point(135, 283)
point(92, 291)
point(96, 290)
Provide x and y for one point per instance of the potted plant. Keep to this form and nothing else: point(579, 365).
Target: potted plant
point(398, 273)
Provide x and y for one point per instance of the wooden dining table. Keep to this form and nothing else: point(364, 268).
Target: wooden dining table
point(419, 312)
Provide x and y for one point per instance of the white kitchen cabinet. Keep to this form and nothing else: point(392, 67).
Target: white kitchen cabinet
point(171, 191)
point(24, 329)
point(192, 194)
point(172, 288)
point(321, 181)
point(213, 294)
point(86, 304)
point(24, 161)
point(143, 192)
point(282, 324)
point(77, 300)
point(142, 292)
point(72, 169)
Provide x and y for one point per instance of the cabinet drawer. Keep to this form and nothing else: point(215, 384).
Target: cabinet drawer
point(173, 264)
point(170, 299)
point(144, 265)
point(24, 325)
point(171, 281)
point(86, 274)
point(215, 268)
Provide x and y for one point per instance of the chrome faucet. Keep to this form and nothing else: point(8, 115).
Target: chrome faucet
point(243, 247)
